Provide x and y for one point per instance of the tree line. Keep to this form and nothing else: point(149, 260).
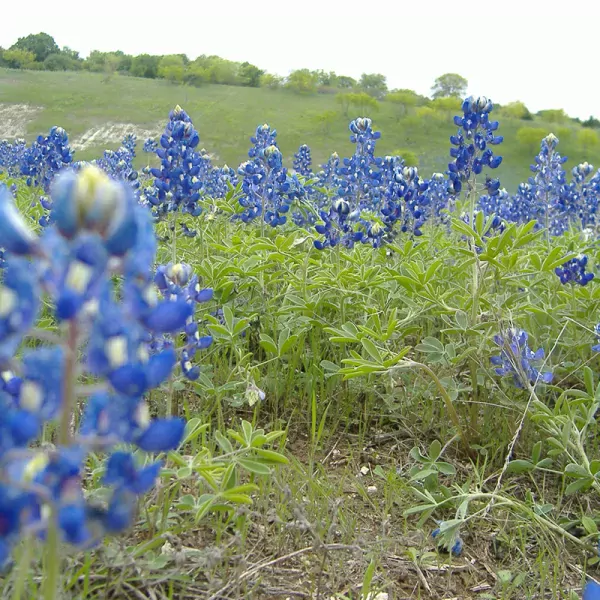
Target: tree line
point(41, 52)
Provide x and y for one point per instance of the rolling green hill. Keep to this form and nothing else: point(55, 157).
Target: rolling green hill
point(95, 112)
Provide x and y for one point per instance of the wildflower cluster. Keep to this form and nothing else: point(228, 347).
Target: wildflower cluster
point(177, 282)
point(573, 271)
point(119, 163)
point(303, 161)
point(94, 263)
point(46, 157)
point(11, 156)
point(516, 359)
point(267, 190)
point(176, 183)
point(473, 145)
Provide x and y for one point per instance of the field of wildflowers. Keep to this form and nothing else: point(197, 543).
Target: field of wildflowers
point(335, 382)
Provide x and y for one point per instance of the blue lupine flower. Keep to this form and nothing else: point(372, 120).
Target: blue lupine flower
point(303, 161)
point(16, 236)
point(19, 305)
point(455, 547)
point(473, 141)
point(573, 271)
point(176, 183)
point(596, 348)
point(11, 156)
point(265, 181)
point(178, 283)
point(516, 359)
point(551, 202)
point(352, 216)
point(591, 591)
point(119, 163)
point(150, 146)
point(97, 231)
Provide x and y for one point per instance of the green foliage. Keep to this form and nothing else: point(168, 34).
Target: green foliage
point(145, 65)
point(587, 138)
point(325, 121)
point(271, 81)
point(41, 45)
point(531, 137)
point(18, 59)
point(302, 81)
point(250, 75)
point(61, 62)
point(411, 159)
point(363, 102)
point(346, 83)
point(554, 115)
point(516, 110)
point(374, 84)
point(403, 100)
point(447, 104)
point(449, 84)
point(172, 68)
point(591, 122)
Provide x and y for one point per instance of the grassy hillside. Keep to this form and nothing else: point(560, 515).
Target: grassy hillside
point(226, 117)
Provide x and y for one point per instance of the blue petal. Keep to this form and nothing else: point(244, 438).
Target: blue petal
point(168, 317)
point(15, 235)
point(162, 435)
point(591, 591)
point(159, 367)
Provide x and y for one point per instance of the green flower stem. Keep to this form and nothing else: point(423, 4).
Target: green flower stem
point(447, 401)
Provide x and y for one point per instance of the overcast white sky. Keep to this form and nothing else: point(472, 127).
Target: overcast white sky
point(543, 53)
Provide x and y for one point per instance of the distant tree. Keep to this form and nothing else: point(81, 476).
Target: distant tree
point(145, 65)
point(171, 68)
point(531, 137)
point(302, 81)
point(401, 100)
point(446, 104)
point(61, 62)
point(516, 110)
point(564, 133)
point(40, 44)
point(196, 75)
point(587, 138)
point(591, 122)
point(250, 74)
point(72, 54)
point(373, 84)
point(554, 115)
point(449, 84)
point(18, 59)
point(410, 158)
point(111, 65)
point(344, 100)
point(325, 120)
point(271, 81)
point(224, 72)
point(346, 83)
point(2, 51)
point(363, 102)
